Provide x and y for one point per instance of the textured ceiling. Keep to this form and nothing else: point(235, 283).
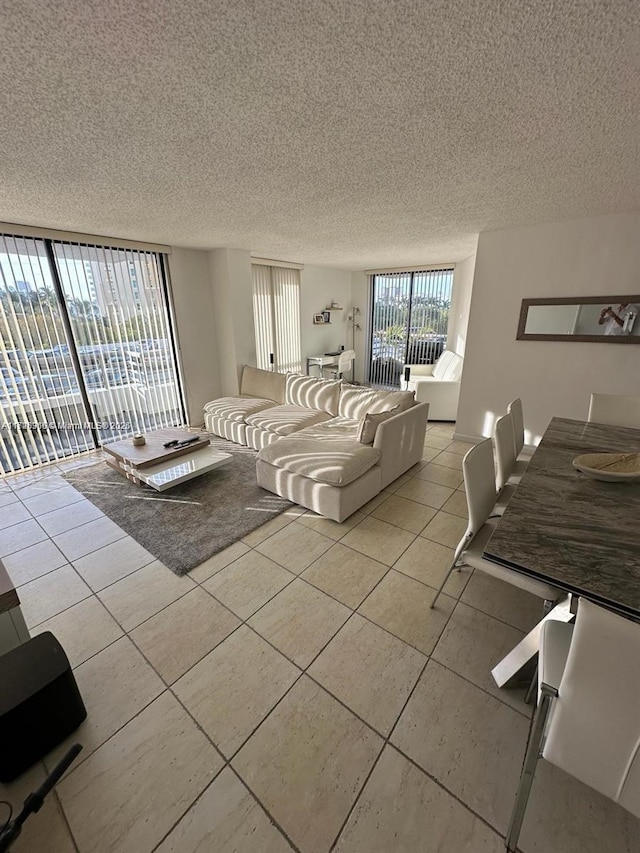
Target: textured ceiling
point(353, 133)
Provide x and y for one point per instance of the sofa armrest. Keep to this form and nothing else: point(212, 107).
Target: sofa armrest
point(442, 398)
point(400, 440)
point(419, 369)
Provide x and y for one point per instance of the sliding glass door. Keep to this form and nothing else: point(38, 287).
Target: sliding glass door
point(86, 350)
point(410, 314)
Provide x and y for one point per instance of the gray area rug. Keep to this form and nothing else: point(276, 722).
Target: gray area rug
point(187, 524)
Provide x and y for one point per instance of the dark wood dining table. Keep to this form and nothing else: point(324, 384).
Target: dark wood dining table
point(578, 534)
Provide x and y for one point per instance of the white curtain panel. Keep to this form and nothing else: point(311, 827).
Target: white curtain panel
point(276, 310)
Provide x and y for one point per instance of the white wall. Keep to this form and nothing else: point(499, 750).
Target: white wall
point(585, 257)
point(360, 299)
point(319, 287)
point(232, 291)
point(193, 309)
point(460, 305)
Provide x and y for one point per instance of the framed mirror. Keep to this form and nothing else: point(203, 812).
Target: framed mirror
point(601, 319)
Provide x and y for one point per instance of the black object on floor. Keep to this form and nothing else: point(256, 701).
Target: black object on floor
point(40, 704)
point(34, 802)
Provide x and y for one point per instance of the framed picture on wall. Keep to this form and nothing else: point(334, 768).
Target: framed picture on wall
point(327, 316)
point(318, 319)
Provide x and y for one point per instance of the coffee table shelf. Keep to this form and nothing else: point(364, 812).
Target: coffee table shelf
point(162, 467)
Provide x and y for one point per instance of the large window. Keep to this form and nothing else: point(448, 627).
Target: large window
point(276, 315)
point(86, 350)
point(410, 314)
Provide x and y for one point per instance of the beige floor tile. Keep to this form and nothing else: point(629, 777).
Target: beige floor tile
point(460, 447)
point(565, 815)
point(226, 819)
point(218, 561)
point(33, 562)
point(295, 547)
point(48, 501)
point(445, 529)
point(431, 494)
point(83, 630)
point(45, 832)
point(329, 527)
point(369, 670)
point(472, 644)
point(248, 583)
point(428, 562)
point(401, 480)
point(468, 741)
point(19, 536)
point(345, 574)
point(438, 442)
point(300, 621)
point(440, 474)
point(374, 502)
point(232, 689)
point(457, 505)
point(51, 594)
point(13, 512)
point(63, 519)
point(450, 460)
point(309, 751)
point(180, 635)
point(143, 593)
point(127, 795)
point(402, 606)
point(429, 453)
point(401, 810)
point(404, 513)
point(445, 428)
point(379, 540)
point(504, 601)
point(89, 537)
point(114, 684)
point(112, 562)
point(34, 483)
point(268, 529)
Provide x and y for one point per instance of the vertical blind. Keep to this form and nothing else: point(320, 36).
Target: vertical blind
point(410, 315)
point(276, 314)
point(86, 351)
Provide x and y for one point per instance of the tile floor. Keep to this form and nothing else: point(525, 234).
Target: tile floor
point(294, 692)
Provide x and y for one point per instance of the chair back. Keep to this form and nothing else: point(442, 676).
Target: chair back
point(505, 449)
point(480, 484)
point(345, 359)
point(615, 409)
point(594, 730)
point(515, 410)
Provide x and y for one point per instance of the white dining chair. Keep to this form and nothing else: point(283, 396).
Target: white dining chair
point(509, 468)
point(344, 365)
point(480, 487)
point(587, 721)
point(514, 409)
point(615, 409)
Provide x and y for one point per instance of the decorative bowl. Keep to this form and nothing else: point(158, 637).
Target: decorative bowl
point(609, 467)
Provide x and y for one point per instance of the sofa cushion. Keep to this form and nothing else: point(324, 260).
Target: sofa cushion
point(355, 402)
point(236, 408)
point(311, 393)
point(336, 461)
point(283, 420)
point(333, 429)
point(370, 423)
point(263, 384)
point(448, 367)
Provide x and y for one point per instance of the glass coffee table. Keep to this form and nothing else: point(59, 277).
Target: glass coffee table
point(162, 467)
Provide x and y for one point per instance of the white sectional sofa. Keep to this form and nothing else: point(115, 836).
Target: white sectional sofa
point(438, 385)
point(324, 444)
